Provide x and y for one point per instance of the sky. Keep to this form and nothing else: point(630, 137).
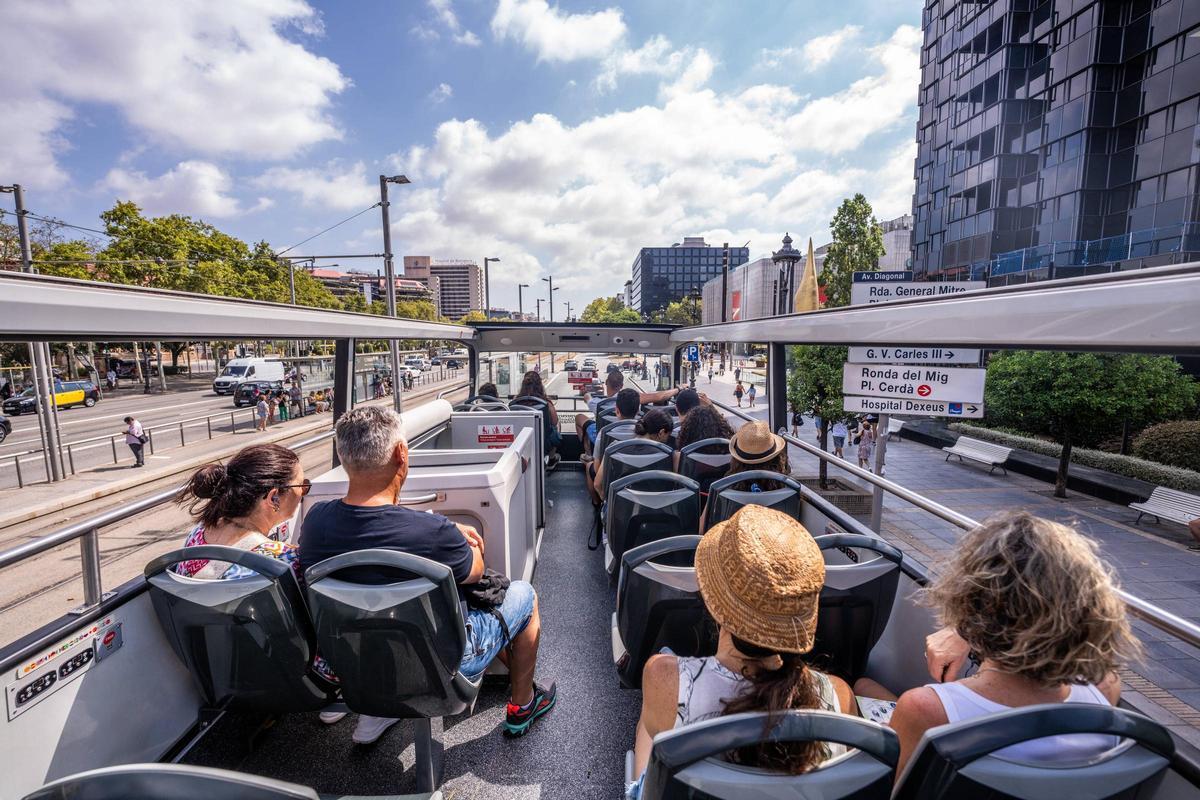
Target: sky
point(558, 137)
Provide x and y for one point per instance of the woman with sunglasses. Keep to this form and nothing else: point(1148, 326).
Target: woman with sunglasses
point(245, 503)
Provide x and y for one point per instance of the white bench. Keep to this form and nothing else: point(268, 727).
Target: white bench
point(894, 426)
point(1169, 504)
point(978, 450)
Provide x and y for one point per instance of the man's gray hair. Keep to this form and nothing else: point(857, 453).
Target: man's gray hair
point(367, 436)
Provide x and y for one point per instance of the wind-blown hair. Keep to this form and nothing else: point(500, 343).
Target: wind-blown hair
point(1032, 596)
point(532, 386)
point(703, 422)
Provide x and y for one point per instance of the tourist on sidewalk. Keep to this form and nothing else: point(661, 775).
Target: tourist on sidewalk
point(264, 412)
point(866, 445)
point(136, 438)
point(840, 432)
point(738, 391)
point(751, 393)
point(797, 421)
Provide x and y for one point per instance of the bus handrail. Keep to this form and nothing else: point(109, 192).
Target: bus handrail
point(1156, 616)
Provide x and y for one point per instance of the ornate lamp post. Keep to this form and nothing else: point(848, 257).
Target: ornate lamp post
point(785, 260)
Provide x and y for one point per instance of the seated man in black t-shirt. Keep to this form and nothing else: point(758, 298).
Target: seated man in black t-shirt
point(372, 449)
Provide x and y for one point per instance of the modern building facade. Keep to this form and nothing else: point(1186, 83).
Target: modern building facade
point(662, 275)
point(1056, 138)
point(459, 282)
point(897, 243)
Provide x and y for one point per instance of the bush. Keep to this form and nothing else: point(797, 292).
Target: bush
point(1172, 477)
point(1176, 444)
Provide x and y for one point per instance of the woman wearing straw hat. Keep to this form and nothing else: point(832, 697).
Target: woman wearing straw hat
point(754, 447)
point(760, 574)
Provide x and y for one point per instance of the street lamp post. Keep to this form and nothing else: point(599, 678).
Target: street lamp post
point(520, 302)
point(390, 275)
point(539, 309)
point(487, 288)
point(785, 260)
point(567, 303)
point(550, 295)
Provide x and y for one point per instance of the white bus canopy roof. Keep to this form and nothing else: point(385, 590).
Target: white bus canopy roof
point(572, 337)
point(46, 308)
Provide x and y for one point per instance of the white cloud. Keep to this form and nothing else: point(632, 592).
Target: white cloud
point(577, 201)
point(555, 35)
point(190, 187)
point(333, 186)
point(443, 13)
point(679, 70)
point(441, 93)
point(182, 74)
point(815, 53)
point(842, 122)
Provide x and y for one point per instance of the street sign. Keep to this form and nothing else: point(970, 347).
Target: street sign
point(913, 355)
point(956, 384)
point(581, 377)
point(692, 353)
point(884, 291)
point(921, 408)
point(883, 276)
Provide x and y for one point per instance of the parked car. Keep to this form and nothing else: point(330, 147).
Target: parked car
point(5, 427)
point(453, 363)
point(436, 361)
point(247, 393)
point(66, 394)
point(414, 363)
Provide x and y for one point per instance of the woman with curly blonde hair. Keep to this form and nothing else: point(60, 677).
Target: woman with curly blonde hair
point(1033, 601)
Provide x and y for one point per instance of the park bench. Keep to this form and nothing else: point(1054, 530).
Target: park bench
point(1169, 504)
point(894, 426)
point(977, 450)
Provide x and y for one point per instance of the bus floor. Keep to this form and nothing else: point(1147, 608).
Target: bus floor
point(576, 751)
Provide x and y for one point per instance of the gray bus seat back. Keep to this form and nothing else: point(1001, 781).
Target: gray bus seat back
point(963, 760)
point(647, 506)
point(158, 781)
point(631, 456)
point(247, 642)
point(395, 647)
point(856, 601)
point(705, 461)
point(659, 605)
point(689, 762)
point(610, 433)
point(724, 500)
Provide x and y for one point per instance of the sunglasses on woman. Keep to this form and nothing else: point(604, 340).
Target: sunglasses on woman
point(304, 487)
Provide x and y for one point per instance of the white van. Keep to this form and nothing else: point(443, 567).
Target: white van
point(247, 369)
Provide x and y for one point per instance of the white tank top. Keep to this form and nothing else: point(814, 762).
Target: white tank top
point(961, 702)
point(705, 685)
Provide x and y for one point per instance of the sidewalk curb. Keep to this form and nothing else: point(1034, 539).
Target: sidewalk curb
point(148, 476)
point(79, 498)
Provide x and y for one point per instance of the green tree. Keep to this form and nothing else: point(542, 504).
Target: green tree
point(815, 387)
point(609, 310)
point(857, 246)
point(1079, 398)
point(679, 312)
point(472, 316)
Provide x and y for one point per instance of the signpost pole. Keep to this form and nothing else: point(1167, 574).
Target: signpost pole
point(877, 490)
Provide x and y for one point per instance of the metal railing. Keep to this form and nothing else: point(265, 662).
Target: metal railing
point(1158, 617)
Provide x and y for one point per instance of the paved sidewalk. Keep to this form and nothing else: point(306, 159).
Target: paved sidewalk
point(1151, 560)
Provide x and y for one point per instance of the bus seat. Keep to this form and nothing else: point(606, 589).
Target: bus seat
point(607, 406)
point(617, 431)
point(395, 647)
point(703, 462)
point(181, 782)
point(247, 642)
point(856, 601)
point(647, 506)
point(724, 501)
point(960, 760)
point(686, 762)
point(539, 405)
point(631, 456)
point(659, 605)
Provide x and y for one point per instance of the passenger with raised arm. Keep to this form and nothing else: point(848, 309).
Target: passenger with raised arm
point(760, 575)
point(372, 449)
point(1031, 598)
point(245, 503)
point(614, 382)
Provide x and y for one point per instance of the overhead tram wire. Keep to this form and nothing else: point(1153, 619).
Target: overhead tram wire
point(372, 207)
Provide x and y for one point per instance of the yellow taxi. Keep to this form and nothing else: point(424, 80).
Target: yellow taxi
point(66, 394)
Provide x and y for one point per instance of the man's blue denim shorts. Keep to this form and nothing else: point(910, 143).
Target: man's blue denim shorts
point(485, 638)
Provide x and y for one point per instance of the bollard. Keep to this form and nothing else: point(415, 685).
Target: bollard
point(150, 436)
point(89, 556)
point(112, 440)
point(209, 421)
point(71, 458)
point(181, 441)
point(232, 423)
point(20, 479)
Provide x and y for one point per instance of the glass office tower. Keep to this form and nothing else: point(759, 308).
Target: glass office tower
point(1056, 138)
point(662, 275)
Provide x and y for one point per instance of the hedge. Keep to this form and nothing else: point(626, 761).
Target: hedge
point(1176, 444)
point(1159, 474)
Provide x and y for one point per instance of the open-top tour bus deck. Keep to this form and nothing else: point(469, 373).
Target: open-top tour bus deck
point(164, 686)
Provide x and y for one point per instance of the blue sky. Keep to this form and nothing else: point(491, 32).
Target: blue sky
point(558, 137)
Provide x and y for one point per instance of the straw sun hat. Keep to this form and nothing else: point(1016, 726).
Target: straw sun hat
point(760, 574)
point(755, 444)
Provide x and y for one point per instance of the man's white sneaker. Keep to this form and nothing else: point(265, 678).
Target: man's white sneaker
point(330, 717)
point(369, 729)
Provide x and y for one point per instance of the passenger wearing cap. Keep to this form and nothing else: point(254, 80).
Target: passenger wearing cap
point(754, 447)
point(760, 574)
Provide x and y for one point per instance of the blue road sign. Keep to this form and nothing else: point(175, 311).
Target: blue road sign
point(955, 409)
point(693, 353)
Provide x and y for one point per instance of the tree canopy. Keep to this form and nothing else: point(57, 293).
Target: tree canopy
point(1080, 398)
point(857, 247)
point(814, 387)
point(609, 310)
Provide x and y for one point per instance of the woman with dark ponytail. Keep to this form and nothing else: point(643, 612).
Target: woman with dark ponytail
point(760, 574)
point(240, 504)
point(655, 425)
